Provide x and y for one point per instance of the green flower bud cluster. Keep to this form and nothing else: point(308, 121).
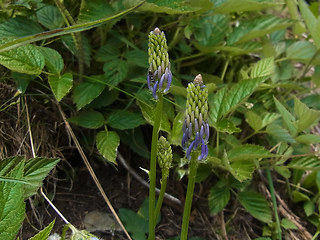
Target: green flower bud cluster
point(159, 74)
point(164, 154)
point(196, 126)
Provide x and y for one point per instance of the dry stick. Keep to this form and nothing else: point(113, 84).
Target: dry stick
point(93, 175)
point(144, 183)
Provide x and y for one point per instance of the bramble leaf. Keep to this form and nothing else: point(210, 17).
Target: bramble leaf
point(125, 120)
point(107, 144)
point(60, 84)
point(45, 233)
point(88, 119)
point(218, 197)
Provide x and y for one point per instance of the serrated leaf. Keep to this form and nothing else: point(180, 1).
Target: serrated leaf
point(91, 10)
point(12, 206)
point(287, 224)
point(280, 133)
point(242, 170)
point(25, 59)
point(305, 163)
point(148, 114)
point(53, 60)
point(309, 208)
point(137, 57)
point(88, 119)
point(107, 144)
point(109, 51)
point(242, 6)
point(125, 120)
point(176, 132)
point(19, 26)
point(268, 118)
point(257, 27)
point(218, 198)
point(50, 17)
point(256, 205)
point(115, 71)
point(35, 171)
point(224, 101)
point(45, 233)
point(263, 68)
point(134, 138)
point(308, 139)
point(301, 51)
point(254, 120)
point(306, 116)
point(287, 117)
point(86, 92)
point(60, 84)
point(299, 197)
point(227, 126)
point(248, 152)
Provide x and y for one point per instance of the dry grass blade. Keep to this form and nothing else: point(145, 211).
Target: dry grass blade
point(93, 175)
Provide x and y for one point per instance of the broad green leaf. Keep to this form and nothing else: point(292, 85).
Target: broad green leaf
point(263, 68)
point(176, 132)
point(225, 125)
point(224, 101)
point(25, 59)
point(115, 71)
point(148, 114)
point(137, 57)
point(134, 138)
point(87, 91)
point(35, 171)
point(268, 118)
point(287, 117)
point(53, 60)
point(7, 164)
point(125, 120)
point(109, 51)
point(45, 233)
point(305, 163)
point(256, 205)
point(248, 152)
point(88, 119)
point(218, 198)
point(257, 27)
point(287, 224)
point(12, 206)
point(301, 51)
point(242, 170)
point(107, 144)
point(50, 17)
point(309, 208)
point(308, 139)
point(60, 84)
point(19, 26)
point(299, 197)
point(91, 10)
point(307, 117)
point(254, 120)
point(242, 6)
point(311, 21)
point(280, 133)
point(22, 80)
point(106, 98)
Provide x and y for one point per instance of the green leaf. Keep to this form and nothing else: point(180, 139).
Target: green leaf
point(287, 117)
point(305, 163)
point(134, 138)
point(309, 208)
point(22, 80)
point(91, 10)
point(35, 171)
point(225, 125)
point(85, 92)
point(280, 133)
point(176, 131)
point(109, 51)
point(12, 206)
point(60, 84)
point(107, 144)
point(263, 68)
point(19, 26)
point(248, 152)
point(256, 205)
point(242, 170)
point(137, 57)
point(311, 21)
point(125, 120)
point(283, 171)
point(268, 118)
point(88, 119)
point(254, 120)
point(308, 139)
point(148, 114)
point(25, 59)
point(53, 60)
point(50, 17)
point(115, 71)
point(306, 116)
point(224, 101)
point(299, 197)
point(257, 27)
point(45, 233)
point(287, 224)
point(219, 197)
point(301, 51)
point(242, 6)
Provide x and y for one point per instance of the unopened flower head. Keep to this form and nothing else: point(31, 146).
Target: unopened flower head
point(196, 126)
point(159, 73)
point(164, 154)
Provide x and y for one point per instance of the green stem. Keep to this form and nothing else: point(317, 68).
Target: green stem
point(161, 194)
point(315, 235)
point(274, 202)
point(189, 196)
point(153, 165)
